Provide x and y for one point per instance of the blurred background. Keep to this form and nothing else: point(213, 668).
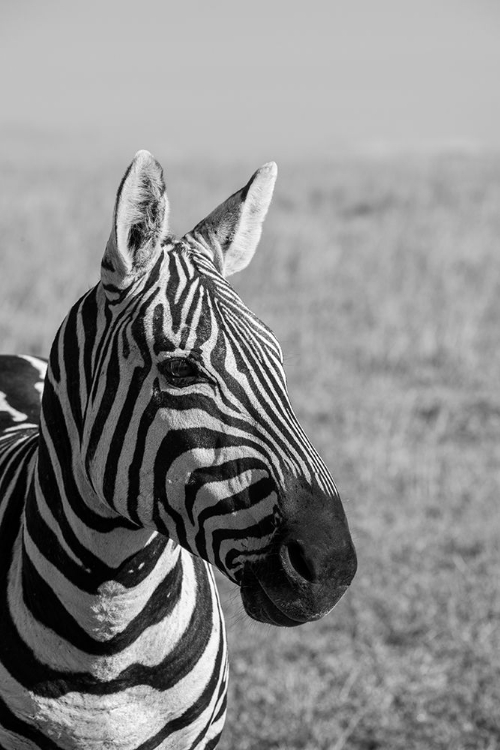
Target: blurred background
point(379, 270)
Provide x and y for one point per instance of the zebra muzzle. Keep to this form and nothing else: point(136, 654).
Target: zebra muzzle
point(290, 587)
point(307, 569)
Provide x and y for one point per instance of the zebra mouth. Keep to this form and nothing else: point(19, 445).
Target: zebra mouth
point(259, 606)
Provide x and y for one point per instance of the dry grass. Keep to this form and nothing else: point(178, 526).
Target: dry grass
point(382, 280)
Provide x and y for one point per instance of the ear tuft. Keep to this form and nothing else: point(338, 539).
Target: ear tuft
point(140, 221)
point(231, 233)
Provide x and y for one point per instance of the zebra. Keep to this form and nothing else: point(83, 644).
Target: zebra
point(165, 444)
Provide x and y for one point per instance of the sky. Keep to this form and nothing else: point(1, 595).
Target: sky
point(226, 79)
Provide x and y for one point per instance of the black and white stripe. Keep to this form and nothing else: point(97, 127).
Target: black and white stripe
point(166, 442)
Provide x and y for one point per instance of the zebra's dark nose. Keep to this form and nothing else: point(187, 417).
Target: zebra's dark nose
point(315, 546)
point(316, 556)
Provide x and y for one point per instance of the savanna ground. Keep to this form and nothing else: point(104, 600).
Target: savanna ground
point(382, 281)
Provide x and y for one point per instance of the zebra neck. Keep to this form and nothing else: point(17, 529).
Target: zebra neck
point(96, 580)
point(66, 510)
point(78, 554)
point(82, 529)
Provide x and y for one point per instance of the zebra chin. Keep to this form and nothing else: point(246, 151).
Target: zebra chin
point(287, 605)
point(259, 606)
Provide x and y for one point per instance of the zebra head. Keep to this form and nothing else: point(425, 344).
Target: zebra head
point(189, 429)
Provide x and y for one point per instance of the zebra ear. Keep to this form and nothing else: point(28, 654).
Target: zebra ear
point(232, 231)
point(139, 222)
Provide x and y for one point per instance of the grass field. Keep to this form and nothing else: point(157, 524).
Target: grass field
point(382, 281)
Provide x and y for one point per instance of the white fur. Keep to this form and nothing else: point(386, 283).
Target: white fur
point(15, 415)
point(39, 365)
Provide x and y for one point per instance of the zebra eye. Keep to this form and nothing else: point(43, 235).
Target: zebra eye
point(179, 371)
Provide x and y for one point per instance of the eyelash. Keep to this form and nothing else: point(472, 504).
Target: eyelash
point(180, 371)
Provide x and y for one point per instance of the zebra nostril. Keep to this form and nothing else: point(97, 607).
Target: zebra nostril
point(296, 558)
